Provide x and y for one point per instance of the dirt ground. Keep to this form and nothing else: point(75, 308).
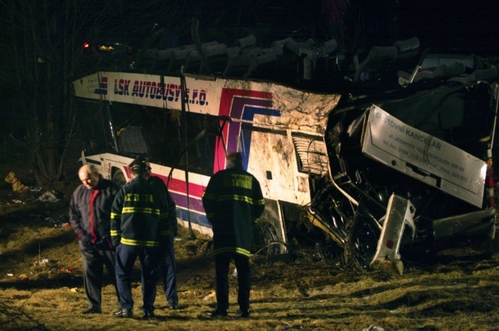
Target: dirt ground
point(41, 284)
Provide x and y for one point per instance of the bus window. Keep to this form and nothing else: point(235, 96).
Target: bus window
point(131, 141)
point(160, 133)
point(95, 132)
point(201, 138)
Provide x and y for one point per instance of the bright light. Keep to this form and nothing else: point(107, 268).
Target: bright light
point(105, 48)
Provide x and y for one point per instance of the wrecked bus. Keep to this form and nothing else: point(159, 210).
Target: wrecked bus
point(369, 175)
point(278, 130)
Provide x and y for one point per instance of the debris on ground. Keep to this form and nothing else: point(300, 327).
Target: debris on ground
point(50, 196)
point(373, 328)
point(35, 188)
point(16, 184)
point(58, 223)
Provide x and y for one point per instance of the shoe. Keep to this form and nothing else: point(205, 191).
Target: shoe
point(148, 315)
point(242, 313)
point(123, 312)
point(92, 310)
point(173, 305)
point(216, 313)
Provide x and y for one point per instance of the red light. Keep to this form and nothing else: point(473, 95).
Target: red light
point(86, 45)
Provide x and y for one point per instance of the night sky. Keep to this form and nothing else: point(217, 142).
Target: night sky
point(463, 24)
point(447, 23)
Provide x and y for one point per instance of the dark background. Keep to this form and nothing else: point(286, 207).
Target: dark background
point(463, 24)
point(41, 54)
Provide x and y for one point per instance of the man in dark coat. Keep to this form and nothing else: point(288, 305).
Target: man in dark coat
point(139, 228)
point(89, 215)
point(233, 202)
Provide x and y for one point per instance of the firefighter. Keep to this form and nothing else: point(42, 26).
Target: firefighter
point(139, 228)
point(233, 201)
point(89, 214)
point(167, 259)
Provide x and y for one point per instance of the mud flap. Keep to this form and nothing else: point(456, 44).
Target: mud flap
point(400, 212)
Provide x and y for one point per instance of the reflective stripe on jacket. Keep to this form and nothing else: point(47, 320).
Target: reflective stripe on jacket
point(139, 215)
point(233, 202)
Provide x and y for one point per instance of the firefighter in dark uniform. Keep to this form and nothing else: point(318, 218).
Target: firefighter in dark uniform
point(233, 202)
point(167, 264)
point(139, 228)
point(89, 215)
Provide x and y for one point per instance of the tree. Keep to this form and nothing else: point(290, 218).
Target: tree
point(39, 57)
point(42, 52)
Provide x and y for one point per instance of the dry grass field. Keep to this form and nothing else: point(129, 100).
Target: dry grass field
point(41, 284)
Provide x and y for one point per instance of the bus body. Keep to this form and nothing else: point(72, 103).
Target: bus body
point(373, 174)
point(278, 130)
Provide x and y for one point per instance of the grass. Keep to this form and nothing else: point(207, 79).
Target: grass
point(456, 291)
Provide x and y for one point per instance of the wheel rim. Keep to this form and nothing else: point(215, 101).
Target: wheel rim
point(266, 239)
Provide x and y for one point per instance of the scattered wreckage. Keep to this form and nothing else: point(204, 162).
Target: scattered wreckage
point(373, 153)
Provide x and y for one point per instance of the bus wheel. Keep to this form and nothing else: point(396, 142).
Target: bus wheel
point(266, 239)
point(119, 178)
point(361, 245)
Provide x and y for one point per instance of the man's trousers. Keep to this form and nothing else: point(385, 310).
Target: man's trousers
point(94, 259)
point(125, 260)
point(222, 263)
point(169, 272)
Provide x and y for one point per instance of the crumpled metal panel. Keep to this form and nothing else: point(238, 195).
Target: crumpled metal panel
point(313, 155)
point(424, 157)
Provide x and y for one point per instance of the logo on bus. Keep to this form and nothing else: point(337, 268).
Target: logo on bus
point(152, 90)
point(241, 105)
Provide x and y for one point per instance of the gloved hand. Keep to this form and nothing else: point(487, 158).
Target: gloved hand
point(115, 241)
point(107, 242)
point(85, 239)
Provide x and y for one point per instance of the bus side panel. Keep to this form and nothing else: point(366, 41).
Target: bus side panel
point(272, 160)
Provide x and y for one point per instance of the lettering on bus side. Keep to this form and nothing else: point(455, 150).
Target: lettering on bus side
point(153, 90)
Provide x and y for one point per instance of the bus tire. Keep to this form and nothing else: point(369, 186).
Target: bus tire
point(361, 244)
point(266, 239)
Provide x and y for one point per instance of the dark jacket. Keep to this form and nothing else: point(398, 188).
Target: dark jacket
point(233, 201)
point(96, 229)
point(139, 216)
point(172, 210)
